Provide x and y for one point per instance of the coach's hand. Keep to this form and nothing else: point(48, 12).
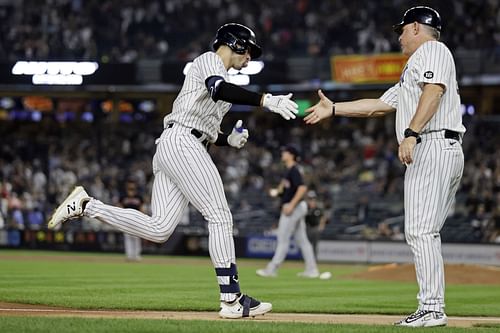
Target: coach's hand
point(238, 136)
point(321, 110)
point(405, 151)
point(281, 104)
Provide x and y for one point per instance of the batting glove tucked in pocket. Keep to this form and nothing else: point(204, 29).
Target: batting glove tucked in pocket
point(238, 136)
point(282, 105)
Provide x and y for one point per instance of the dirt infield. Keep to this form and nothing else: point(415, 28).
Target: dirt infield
point(25, 310)
point(454, 274)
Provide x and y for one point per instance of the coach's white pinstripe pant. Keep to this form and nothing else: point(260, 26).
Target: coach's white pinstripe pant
point(431, 183)
point(184, 172)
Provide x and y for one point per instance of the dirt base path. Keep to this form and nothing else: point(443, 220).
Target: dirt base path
point(25, 310)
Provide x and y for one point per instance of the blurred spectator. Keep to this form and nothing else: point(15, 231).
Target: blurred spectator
point(316, 219)
point(333, 166)
point(363, 209)
point(36, 219)
point(129, 30)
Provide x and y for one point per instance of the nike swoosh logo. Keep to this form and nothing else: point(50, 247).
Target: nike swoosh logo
point(452, 143)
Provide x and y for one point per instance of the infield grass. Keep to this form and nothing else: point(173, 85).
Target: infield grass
point(106, 281)
point(90, 325)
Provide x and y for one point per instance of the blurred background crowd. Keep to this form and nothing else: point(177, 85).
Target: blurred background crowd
point(128, 30)
point(351, 165)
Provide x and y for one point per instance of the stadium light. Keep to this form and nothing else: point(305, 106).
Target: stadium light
point(239, 77)
point(55, 72)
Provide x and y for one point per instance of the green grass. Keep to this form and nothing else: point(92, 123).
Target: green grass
point(80, 325)
point(78, 280)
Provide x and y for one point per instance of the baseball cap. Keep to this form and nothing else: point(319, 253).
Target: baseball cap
point(292, 149)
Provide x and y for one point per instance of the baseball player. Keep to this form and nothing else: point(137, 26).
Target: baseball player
point(429, 131)
point(183, 169)
point(292, 220)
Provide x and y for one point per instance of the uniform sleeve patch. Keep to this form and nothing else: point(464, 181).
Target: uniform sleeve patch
point(429, 75)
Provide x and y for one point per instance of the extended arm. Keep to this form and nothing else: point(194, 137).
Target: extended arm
point(219, 89)
point(325, 108)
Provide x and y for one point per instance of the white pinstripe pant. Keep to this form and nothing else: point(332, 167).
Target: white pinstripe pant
point(184, 172)
point(431, 183)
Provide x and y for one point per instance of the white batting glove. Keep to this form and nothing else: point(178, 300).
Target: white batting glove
point(238, 136)
point(282, 105)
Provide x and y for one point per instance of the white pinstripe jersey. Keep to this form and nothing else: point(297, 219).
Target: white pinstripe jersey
point(194, 107)
point(432, 62)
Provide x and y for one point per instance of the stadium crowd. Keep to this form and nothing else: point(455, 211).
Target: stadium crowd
point(355, 168)
point(128, 30)
point(355, 171)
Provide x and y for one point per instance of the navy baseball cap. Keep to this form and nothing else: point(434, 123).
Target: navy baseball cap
point(421, 14)
point(292, 149)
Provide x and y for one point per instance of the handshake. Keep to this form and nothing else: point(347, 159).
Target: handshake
point(281, 104)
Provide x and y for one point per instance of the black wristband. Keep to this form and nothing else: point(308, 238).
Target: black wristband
point(222, 140)
point(409, 132)
point(333, 110)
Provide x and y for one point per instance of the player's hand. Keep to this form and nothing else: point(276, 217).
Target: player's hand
point(238, 136)
point(287, 209)
point(321, 110)
point(281, 104)
point(405, 151)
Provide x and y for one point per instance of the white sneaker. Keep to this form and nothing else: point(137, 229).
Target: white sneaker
point(266, 273)
point(309, 275)
point(71, 207)
point(243, 306)
point(424, 318)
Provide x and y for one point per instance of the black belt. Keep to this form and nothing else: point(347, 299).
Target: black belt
point(452, 135)
point(448, 134)
point(197, 134)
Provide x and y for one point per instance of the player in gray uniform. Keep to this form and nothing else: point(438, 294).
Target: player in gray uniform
point(292, 220)
point(183, 169)
point(429, 130)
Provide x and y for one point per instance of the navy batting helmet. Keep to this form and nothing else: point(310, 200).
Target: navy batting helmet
point(239, 38)
point(420, 14)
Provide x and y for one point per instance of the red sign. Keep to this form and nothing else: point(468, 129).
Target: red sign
point(367, 69)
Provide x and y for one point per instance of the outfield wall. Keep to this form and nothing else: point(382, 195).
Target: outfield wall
point(384, 252)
